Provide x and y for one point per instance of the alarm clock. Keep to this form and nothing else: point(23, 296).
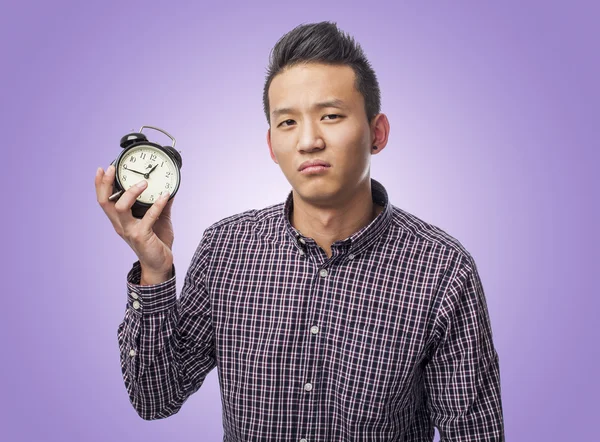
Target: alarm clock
point(140, 160)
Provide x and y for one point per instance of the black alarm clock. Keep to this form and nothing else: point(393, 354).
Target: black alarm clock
point(140, 160)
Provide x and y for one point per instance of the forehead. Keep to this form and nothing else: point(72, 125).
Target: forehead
point(304, 84)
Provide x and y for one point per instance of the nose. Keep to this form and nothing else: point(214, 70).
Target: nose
point(310, 137)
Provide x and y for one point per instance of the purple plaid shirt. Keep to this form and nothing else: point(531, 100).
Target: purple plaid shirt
point(382, 341)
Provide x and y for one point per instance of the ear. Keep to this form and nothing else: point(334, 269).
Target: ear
point(380, 131)
point(270, 147)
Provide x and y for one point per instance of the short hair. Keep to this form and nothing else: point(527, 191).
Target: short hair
point(324, 43)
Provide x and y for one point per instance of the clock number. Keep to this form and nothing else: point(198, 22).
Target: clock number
point(161, 164)
point(168, 174)
point(152, 157)
point(167, 186)
point(125, 166)
point(124, 177)
point(132, 159)
point(151, 197)
point(143, 155)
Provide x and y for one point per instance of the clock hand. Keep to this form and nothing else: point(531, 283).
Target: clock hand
point(131, 170)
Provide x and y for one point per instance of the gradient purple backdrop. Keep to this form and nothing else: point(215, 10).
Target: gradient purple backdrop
point(494, 117)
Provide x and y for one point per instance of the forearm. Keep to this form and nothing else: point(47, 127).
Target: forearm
point(157, 348)
point(150, 366)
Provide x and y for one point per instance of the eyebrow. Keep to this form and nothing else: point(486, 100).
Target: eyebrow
point(336, 102)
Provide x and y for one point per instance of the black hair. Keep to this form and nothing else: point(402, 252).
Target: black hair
point(324, 43)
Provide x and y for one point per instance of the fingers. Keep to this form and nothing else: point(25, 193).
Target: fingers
point(119, 212)
point(166, 211)
point(125, 202)
point(104, 186)
point(160, 206)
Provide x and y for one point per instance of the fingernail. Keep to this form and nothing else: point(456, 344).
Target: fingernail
point(141, 184)
point(164, 196)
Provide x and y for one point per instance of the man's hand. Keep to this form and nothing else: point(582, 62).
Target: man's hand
point(150, 238)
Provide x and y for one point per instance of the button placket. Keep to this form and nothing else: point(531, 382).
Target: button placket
point(313, 344)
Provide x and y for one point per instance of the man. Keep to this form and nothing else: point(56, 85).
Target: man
point(332, 316)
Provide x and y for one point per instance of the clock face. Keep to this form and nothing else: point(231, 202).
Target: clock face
point(144, 159)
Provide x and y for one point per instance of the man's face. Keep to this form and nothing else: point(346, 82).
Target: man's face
point(336, 133)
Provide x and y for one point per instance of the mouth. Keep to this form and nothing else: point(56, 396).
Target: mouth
point(310, 170)
point(312, 164)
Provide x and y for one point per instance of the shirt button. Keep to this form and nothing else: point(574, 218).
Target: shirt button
point(301, 252)
point(323, 273)
point(351, 256)
point(136, 305)
point(303, 440)
point(302, 240)
point(314, 329)
point(134, 295)
point(308, 386)
point(132, 352)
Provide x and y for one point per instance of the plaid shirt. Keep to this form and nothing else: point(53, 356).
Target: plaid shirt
point(382, 341)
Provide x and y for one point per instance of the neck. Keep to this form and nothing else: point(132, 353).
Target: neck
point(328, 224)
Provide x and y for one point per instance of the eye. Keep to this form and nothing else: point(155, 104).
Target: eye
point(333, 115)
point(283, 122)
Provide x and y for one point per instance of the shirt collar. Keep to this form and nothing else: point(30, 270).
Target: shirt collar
point(358, 241)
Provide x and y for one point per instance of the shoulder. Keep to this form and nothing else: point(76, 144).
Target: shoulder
point(249, 220)
point(412, 228)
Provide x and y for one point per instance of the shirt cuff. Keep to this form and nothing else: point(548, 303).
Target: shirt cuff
point(149, 298)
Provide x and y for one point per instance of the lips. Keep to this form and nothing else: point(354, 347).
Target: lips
point(313, 163)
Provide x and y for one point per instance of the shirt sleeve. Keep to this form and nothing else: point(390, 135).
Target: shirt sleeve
point(462, 379)
point(166, 344)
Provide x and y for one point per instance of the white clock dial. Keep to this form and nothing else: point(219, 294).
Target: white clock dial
point(144, 159)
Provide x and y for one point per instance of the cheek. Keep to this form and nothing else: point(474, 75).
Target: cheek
point(351, 134)
point(355, 146)
point(282, 147)
point(283, 155)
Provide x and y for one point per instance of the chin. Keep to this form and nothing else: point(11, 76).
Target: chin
point(316, 191)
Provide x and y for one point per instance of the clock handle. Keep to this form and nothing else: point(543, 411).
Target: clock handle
point(160, 130)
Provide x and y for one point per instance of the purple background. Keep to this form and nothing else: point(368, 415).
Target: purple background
point(494, 138)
